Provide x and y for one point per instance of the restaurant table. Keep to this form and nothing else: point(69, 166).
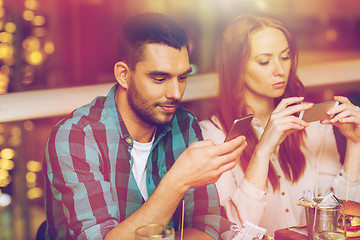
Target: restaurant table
point(289, 234)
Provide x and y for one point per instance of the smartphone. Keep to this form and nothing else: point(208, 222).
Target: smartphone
point(318, 111)
point(239, 127)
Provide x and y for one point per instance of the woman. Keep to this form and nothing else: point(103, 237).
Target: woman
point(285, 155)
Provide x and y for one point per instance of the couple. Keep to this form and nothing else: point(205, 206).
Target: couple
point(130, 158)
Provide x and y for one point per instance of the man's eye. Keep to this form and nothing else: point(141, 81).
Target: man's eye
point(183, 78)
point(159, 79)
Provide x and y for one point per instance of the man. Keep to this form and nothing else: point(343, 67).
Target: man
point(111, 164)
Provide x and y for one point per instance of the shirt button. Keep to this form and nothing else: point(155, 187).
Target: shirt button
point(286, 210)
point(282, 193)
point(128, 140)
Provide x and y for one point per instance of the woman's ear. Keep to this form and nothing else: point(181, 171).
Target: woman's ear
point(122, 74)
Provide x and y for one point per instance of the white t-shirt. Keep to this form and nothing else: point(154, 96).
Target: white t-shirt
point(140, 153)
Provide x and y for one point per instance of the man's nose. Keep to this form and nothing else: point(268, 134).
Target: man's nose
point(174, 89)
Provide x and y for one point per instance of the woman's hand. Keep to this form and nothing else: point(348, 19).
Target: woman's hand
point(282, 123)
point(347, 118)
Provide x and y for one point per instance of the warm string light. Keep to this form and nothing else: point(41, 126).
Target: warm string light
point(11, 137)
point(33, 169)
point(34, 191)
point(7, 49)
point(6, 165)
point(37, 46)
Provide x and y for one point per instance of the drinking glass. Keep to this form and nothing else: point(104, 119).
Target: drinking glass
point(155, 231)
point(326, 222)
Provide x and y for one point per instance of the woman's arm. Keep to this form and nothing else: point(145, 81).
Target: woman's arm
point(282, 123)
point(347, 119)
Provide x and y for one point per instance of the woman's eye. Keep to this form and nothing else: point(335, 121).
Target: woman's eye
point(285, 56)
point(263, 62)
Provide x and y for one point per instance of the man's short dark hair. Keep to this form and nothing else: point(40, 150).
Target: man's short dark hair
point(148, 28)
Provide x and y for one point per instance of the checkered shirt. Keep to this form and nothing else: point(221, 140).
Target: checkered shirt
point(90, 187)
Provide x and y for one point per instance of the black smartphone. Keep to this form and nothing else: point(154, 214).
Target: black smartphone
point(318, 111)
point(239, 127)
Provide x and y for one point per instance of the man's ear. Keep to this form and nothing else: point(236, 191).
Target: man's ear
point(122, 74)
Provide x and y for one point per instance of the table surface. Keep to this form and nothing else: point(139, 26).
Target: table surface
point(288, 234)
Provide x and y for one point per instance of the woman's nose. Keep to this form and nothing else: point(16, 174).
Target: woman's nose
point(279, 68)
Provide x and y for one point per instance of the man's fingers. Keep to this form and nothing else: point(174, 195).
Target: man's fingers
point(231, 156)
point(229, 146)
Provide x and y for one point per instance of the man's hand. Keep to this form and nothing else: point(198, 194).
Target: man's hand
point(203, 162)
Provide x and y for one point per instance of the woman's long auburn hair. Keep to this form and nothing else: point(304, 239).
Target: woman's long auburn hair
point(234, 52)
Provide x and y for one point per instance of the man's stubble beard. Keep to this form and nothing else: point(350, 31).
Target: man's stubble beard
point(145, 111)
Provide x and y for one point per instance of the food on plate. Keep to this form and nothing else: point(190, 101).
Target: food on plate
point(352, 219)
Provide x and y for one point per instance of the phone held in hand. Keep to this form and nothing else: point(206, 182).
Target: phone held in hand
point(318, 111)
point(239, 127)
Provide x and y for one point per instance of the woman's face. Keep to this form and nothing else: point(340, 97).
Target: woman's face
point(267, 70)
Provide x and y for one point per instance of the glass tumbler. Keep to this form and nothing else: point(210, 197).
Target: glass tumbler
point(155, 231)
point(326, 222)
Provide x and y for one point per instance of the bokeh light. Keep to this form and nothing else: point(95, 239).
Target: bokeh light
point(28, 15)
point(10, 27)
point(7, 153)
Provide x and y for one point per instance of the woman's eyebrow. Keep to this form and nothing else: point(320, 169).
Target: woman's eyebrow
point(286, 49)
point(270, 54)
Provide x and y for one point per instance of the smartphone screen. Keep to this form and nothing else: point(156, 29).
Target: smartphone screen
point(318, 111)
point(239, 127)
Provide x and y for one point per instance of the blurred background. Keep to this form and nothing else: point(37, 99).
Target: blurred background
point(62, 44)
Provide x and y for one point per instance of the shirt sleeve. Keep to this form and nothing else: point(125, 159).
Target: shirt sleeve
point(242, 202)
point(332, 177)
point(203, 211)
point(342, 182)
point(78, 185)
point(202, 207)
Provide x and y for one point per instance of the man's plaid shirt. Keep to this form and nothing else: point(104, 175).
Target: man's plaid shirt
point(90, 187)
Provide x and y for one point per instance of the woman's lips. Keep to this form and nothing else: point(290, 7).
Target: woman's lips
point(279, 85)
